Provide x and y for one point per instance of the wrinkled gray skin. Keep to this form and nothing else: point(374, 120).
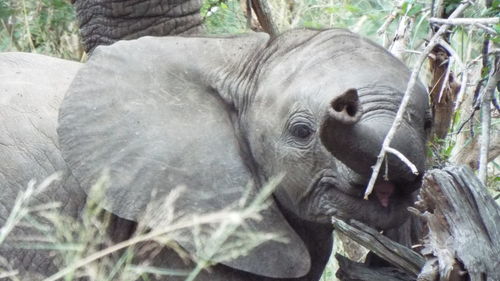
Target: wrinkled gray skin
point(103, 22)
point(310, 105)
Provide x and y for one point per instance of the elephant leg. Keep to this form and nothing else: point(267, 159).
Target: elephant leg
point(103, 22)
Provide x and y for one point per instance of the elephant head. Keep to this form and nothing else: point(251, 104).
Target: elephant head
point(219, 114)
point(103, 22)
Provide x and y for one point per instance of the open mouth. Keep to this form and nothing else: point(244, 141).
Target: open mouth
point(338, 194)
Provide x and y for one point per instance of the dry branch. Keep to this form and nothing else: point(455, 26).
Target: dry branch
point(395, 253)
point(403, 158)
point(465, 21)
point(264, 15)
point(486, 118)
point(406, 98)
point(463, 222)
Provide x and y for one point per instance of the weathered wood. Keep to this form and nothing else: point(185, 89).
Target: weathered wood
point(464, 225)
point(353, 271)
point(462, 241)
point(395, 253)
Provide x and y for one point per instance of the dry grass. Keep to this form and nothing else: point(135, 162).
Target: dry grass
point(82, 247)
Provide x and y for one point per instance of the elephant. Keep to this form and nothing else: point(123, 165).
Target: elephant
point(221, 116)
point(103, 22)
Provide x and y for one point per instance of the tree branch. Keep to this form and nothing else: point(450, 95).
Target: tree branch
point(486, 119)
point(264, 15)
point(465, 21)
point(391, 251)
point(403, 158)
point(406, 98)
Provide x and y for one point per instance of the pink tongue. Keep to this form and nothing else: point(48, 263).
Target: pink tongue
point(383, 191)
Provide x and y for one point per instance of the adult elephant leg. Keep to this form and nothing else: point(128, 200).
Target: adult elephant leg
point(102, 22)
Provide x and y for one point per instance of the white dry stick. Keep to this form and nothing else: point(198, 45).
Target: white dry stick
point(406, 98)
point(401, 38)
point(390, 18)
point(403, 158)
point(465, 21)
point(463, 67)
point(486, 121)
point(446, 78)
point(465, 78)
point(486, 28)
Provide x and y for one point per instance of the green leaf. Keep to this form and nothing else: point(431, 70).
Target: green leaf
point(331, 10)
point(415, 9)
point(404, 8)
point(456, 118)
point(352, 9)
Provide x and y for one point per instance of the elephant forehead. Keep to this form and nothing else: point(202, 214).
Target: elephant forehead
point(334, 58)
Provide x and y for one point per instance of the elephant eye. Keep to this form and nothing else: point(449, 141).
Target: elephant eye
point(301, 131)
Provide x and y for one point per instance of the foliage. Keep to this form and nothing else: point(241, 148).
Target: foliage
point(45, 26)
point(223, 17)
point(49, 27)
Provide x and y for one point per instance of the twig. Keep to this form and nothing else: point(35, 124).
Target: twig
point(438, 8)
point(465, 21)
point(390, 18)
point(27, 25)
point(7, 274)
point(391, 251)
point(465, 77)
point(486, 28)
point(400, 41)
point(446, 78)
point(486, 120)
point(406, 98)
point(403, 158)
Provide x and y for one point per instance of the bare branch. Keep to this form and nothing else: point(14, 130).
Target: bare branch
point(401, 38)
point(403, 158)
point(486, 28)
point(390, 18)
point(465, 77)
point(264, 15)
point(465, 21)
point(406, 98)
point(446, 79)
point(486, 119)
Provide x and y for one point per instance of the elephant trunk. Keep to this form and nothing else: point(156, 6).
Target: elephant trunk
point(357, 141)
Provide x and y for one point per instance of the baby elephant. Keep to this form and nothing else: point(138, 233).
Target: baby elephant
point(217, 116)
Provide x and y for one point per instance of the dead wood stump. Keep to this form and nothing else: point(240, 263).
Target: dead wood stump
point(462, 240)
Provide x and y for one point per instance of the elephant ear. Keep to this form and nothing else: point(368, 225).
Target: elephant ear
point(149, 112)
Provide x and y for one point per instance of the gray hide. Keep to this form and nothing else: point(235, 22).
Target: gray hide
point(224, 116)
point(103, 22)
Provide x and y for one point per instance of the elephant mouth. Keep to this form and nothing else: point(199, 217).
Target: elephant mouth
point(330, 194)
